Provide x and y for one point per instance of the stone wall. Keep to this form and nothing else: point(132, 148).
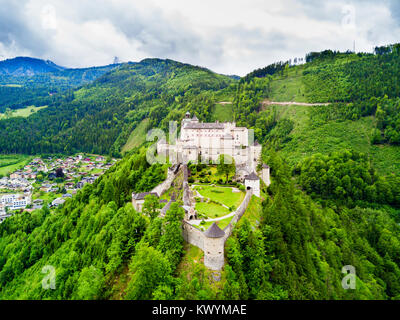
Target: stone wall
point(214, 253)
point(238, 214)
point(214, 247)
point(166, 184)
point(193, 235)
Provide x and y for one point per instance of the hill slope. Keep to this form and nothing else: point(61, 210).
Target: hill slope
point(99, 117)
point(26, 66)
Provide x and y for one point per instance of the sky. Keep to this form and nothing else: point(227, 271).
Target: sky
point(226, 36)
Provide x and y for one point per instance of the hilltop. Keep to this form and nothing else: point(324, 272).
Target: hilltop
point(26, 66)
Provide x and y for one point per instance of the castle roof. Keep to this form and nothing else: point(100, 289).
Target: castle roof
point(214, 231)
point(140, 196)
point(195, 125)
point(252, 176)
point(195, 118)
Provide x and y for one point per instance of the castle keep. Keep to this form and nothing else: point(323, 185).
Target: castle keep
point(208, 141)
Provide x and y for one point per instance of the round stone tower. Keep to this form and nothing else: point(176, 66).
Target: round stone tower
point(214, 248)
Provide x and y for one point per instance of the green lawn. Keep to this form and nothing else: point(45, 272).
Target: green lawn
point(223, 112)
point(24, 112)
point(222, 224)
point(308, 139)
point(222, 195)
point(288, 88)
point(211, 210)
point(137, 137)
point(11, 163)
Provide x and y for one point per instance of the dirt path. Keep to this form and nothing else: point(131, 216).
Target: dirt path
point(289, 103)
point(224, 102)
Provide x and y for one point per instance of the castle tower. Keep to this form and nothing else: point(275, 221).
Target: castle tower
point(214, 248)
point(252, 181)
point(265, 174)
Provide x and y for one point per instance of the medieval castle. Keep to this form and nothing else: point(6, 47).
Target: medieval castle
point(206, 142)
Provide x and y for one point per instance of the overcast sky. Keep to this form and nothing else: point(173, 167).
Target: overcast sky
point(227, 36)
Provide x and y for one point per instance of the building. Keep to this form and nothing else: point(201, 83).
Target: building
point(57, 202)
point(15, 201)
point(138, 199)
point(252, 181)
point(207, 141)
point(265, 174)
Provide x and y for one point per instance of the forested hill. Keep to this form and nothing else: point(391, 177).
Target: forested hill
point(26, 66)
point(99, 117)
point(28, 81)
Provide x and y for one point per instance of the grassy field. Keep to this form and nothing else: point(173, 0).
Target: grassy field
point(25, 112)
point(222, 224)
point(211, 210)
point(288, 88)
point(308, 139)
point(11, 163)
point(137, 137)
point(222, 195)
point(223, 112)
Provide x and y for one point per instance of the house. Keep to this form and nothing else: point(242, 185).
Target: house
point(252, 181)
point(138, 199)
point(4, 217)
point(57, 202)
point(15, 201)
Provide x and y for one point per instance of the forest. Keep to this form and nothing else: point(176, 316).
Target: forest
point(323, 210)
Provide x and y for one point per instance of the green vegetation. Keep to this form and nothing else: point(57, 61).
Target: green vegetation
point(211, 209)
point(99, 117)
point(11, 163)
point(333, 201)
point(137, 137)
point(223, 112)
point(25, 112)
point(222, 195)
point(222, 224)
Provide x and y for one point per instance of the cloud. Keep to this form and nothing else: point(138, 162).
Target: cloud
point(232, 37)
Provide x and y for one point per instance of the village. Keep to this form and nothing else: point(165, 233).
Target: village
point(49, 181)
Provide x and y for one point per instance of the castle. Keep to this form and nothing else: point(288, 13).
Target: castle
point(207, 141)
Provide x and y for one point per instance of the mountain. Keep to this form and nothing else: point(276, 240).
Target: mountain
point(26, 66)
point(100, 116)
point(27, 81)
point(328, 130)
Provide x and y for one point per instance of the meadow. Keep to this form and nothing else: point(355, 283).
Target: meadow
point(24, 112)
point(11, 163)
